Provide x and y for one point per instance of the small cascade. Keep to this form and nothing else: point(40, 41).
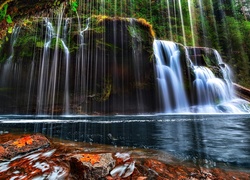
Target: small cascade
point(67, 66)
point(6, 67)
point(169, 77)
point(81, 71)
point(137, 54)
point(213, 88)
point(210, 90)
point(211, 85)
point(43, 68)
point(55, 55)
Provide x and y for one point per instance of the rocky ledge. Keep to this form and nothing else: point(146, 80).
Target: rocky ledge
point(35, 156)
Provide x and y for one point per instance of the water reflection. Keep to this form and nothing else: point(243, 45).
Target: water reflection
point(208, 140)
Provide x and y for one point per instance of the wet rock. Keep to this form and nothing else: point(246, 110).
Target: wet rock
point(242, 92)
point(125, 166)
point(71, 161)
point(22, 145)
point(91, 166)
point(41, 164)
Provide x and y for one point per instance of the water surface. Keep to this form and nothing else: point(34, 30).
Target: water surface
point(205, 140)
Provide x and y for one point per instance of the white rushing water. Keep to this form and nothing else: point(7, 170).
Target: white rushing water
point(213, 94)
point(56, 32)
point(169, 77)
point(8, 65)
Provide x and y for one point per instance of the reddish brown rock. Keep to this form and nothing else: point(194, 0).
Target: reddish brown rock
point(91, 166)
point(70, 161)
point(22, 145)
point(41, 164)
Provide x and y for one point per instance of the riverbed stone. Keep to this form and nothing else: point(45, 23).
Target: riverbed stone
point(22, 145)
point(91, 166)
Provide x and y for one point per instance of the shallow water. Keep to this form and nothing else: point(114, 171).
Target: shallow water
point(206, 140)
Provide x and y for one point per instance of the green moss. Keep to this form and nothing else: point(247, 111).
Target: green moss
point(3, 57)
point(101, 43)
point(56, 42)
point(5, 89)
point(96, 26)
point(105, 91)
point(24, 47)
point(40, 44)
point(135, 32)
point(25, 40)
point(207, 60)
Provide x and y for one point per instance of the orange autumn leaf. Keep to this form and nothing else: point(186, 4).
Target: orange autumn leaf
point(23, 141)
point(92, 158)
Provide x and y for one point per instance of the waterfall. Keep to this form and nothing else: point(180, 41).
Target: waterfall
point(102, 65)
point(67, 66)
point(214, 93)
point(169, 77)
point(81, 70)
point(6, 67)
point(49, 68)
point(212, 88)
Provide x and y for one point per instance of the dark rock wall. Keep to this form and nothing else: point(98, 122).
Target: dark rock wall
point(110, 67)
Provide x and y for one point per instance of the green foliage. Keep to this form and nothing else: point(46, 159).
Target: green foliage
point(25, 40)
point(74, 5)
point(10, 30)
point(40, 44)
point(3, 12)
point(8, 19)
point(238, 55)
point(26, 44)
point(3, 15)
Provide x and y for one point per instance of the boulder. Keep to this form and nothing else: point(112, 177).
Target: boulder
point(22, 145)
point(91, 166)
